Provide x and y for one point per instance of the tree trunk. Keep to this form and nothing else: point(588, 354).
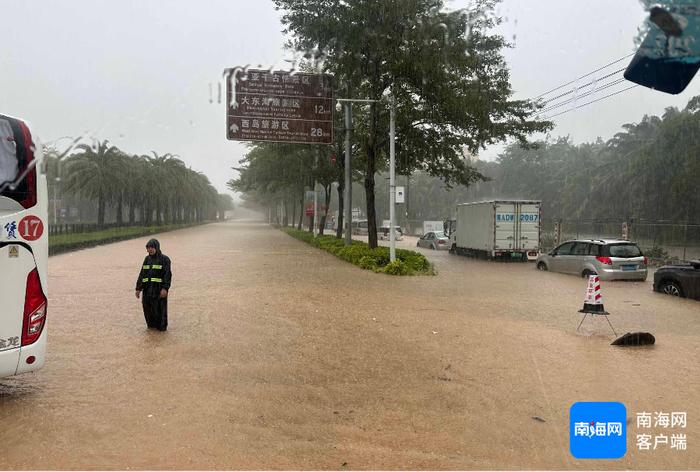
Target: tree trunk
point(149, 214)
point(285, 217)
point(369, 178)
point(294, 212)
point(120, 210)
point(158, 214)
point(301, 206)
point(341, 209)
point(327, 192)
point(100, 211)
point(132, 214)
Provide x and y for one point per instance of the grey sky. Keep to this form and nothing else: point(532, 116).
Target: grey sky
point(138, 72)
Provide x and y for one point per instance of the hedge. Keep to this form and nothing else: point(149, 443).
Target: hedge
point(61, 243)
point(360, 254)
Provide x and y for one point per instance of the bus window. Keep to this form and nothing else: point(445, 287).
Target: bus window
point(16, 156)
point(8, 153)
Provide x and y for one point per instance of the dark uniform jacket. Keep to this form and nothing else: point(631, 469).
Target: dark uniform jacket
point(155, 274)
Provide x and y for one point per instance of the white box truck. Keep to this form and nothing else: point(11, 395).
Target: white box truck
point(431, 226)
point(498, 229)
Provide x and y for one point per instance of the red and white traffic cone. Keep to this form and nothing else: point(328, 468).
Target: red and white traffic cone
point(593, 303)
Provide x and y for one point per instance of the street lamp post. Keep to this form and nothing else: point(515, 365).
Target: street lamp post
point(392, 178)
point(348, 175)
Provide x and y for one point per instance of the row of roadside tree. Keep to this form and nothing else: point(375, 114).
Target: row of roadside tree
point(648, 171)
point(140, 190)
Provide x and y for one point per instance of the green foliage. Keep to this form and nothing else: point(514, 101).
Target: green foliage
point(650, 170)
point(368, 262)
point(398, 267)
point(158, 188)
point(360, 254)
point(60, 243)
point(444, 69)
point(415, 261)
point(658, 256)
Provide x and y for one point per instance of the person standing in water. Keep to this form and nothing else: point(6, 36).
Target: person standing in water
point(154, 281)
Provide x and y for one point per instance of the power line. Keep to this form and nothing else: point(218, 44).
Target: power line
point(583, 86)
point(578, 97)
point(593, 101)
point(584, 76)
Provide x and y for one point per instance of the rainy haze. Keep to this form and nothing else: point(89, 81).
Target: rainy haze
point(324, 234)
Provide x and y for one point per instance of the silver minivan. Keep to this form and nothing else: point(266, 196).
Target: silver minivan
point(610, 259)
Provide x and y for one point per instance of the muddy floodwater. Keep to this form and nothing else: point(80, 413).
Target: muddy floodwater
point(279, 355)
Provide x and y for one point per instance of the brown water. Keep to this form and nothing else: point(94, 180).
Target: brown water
point(279, 355)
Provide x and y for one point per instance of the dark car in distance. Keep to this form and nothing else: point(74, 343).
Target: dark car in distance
point(682, 280)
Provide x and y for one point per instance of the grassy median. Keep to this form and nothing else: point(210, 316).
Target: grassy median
point(70, 242)
point(359, 253)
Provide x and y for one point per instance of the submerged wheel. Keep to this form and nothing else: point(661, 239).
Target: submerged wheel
point(541, 266)
point(671, 288)
point(586, 273)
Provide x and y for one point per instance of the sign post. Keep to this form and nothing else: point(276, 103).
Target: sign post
point(279, 106)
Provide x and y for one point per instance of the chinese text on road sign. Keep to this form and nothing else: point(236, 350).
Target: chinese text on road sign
point(278, 106)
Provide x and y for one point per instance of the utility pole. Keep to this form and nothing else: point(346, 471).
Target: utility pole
point(348, 175)
point(316, 193)
point(392, 178)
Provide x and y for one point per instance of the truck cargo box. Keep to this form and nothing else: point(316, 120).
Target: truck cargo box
point(498, 228)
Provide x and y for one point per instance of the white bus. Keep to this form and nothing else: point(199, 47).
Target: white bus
point(24, 250)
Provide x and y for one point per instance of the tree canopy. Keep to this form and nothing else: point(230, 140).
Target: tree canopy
point(445, 71)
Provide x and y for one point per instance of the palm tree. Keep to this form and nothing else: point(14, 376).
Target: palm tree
point(135, 189)
point(95, 172)
point(166, 178)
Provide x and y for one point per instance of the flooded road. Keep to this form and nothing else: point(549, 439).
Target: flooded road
point(279, 355)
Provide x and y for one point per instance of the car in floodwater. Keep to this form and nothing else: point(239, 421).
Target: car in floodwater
point(610, 259)
point(360, 227)
point(681, 280)
point(383, 233)
point(434, 240)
